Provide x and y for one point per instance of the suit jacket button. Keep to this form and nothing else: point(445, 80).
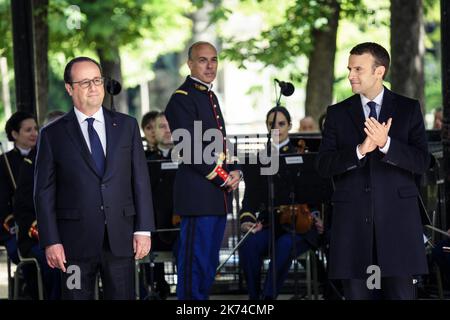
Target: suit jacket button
point(367, 189)
point(102, 208)
point(368, 220)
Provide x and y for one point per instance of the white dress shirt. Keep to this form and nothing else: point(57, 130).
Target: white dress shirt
point(23, 152)
point(281, 145)
point(379, 102)
point(99, 126)
point(164, 151)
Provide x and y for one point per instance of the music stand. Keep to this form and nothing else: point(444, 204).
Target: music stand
point(162, 177)
point(306, 186)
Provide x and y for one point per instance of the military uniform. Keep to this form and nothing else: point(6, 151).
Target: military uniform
point(7, 235)
point(150, 151)
point(162, 191)
point(255, 248)
point(198, 194)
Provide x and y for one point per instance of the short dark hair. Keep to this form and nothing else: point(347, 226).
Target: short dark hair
point(195, 45)
point(379, 53)
point(149, 116)
point(15, 122)
point(68, 69)
point(282, 110)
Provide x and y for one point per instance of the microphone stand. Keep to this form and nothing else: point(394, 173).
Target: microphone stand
point(270, 209)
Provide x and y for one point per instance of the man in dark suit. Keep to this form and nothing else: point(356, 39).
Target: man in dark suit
point(374, 145)
point(92, 191)
point(202, 190)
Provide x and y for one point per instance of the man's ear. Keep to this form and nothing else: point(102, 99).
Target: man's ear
point(380, 71)
point(69, 89)
point(189, 64)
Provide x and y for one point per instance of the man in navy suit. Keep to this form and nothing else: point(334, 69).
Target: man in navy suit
point(92, 190)
point(373, 146)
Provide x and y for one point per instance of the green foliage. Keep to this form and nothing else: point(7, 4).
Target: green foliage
point(58, 97)
point(6, 30)
point(280, 45)
point(114, 23)
point(139, 31)
point(433, 83)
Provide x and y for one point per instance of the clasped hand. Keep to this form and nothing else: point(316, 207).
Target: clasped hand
point(377, 135)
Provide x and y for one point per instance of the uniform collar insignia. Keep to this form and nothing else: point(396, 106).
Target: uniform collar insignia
point(200, 87)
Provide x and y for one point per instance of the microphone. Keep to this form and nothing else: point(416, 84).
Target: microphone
point(287, 88)
point(113, 87)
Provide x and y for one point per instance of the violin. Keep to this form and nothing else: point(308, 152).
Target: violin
point(303, 219)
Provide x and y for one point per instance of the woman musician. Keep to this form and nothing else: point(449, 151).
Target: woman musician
point(21, 129)
point(28, 235)
point(255, 248)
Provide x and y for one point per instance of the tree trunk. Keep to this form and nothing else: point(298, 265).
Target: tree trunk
point(319, 86)
point(40, 29)
point(5, 87)
point(111, 65)
point(408, 49)
point(445, 40)
point(167, 78)
point(22, 29)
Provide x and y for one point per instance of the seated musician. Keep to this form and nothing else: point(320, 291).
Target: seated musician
point(255, 247)
point(162, 189)
point(21, 128)
point(28, 235)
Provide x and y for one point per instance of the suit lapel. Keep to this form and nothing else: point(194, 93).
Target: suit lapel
point(112, 137)
point(388, 107)
point(357, 114)
point(75, 134)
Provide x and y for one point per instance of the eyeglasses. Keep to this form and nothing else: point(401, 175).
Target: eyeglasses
point(87, 83)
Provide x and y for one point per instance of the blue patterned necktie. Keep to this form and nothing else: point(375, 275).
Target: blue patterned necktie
point(373, 110)
point(96, 147)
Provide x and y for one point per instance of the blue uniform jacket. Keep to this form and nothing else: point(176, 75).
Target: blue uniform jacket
point(197, 190)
